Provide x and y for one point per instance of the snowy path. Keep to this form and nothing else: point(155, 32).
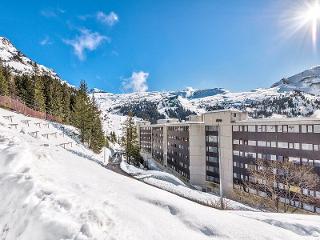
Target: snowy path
point(49, 193)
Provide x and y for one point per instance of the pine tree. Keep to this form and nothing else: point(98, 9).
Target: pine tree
point(81, 113)
point(66, 96)
point(97, 139)
point(39, 99)
point(25, 89)
point(130, 140)
point(86, 117)
point(57, 99)
point(4, 86)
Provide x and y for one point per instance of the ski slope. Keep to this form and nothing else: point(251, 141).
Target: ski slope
point(48, 193)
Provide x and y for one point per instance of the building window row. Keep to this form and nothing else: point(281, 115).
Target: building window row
point(274, 144)
point(184, 139)
point(294, 128)
point(178, 128)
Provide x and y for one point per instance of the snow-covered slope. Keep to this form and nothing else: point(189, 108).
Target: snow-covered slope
point(298, 95)
point(47, 192)
point(19, 63)
point(307, 81)
point(155, 105)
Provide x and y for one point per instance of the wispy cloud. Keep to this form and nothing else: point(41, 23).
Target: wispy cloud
point(52, 12)
point(86, 41)
point(45, 41)
point(137, 82)
point(108, 19)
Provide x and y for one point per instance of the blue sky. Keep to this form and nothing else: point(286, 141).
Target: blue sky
point(119, 45)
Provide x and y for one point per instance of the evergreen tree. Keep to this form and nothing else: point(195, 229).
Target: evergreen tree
point(39, 99)
point(81, 113)
point(57, 98)
point(97, 139)
point(66, 96)
point(25, 90)
point(130, 140)
point(86, 117)
point(4, 86)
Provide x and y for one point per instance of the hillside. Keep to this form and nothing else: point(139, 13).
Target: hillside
point(48, 192)
point(20, 64)
point(155, 105)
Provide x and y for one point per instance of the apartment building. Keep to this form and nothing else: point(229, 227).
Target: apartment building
point(213, 150)
point(295, 140)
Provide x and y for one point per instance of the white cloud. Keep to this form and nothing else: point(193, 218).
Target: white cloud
point(137, 82)
point(46, 41)
point(52, 12)
point(87, 40)
point(108, 19)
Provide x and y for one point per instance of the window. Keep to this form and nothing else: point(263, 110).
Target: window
point(285, 128)
point(213, 139)
point(235, 141)
point(252, 143)
point(261, 128)
point(244, 128)
point(315, 147)
point(307, 146)
point(316, 128)
point(282, 145)
point(236, 153)
point(251, 128)
point(293, 128)
point(271, 128)
point(262, 143)
point(212, 149)
point(294, 159)
point(250, 155)
point(236, 128)
point(212, 159)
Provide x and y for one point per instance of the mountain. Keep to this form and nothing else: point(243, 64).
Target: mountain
point(155, 105)
point(297, 95)
point(19, 64)
point(307, 81)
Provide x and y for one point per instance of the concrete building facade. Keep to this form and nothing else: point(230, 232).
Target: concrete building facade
point(212, 150)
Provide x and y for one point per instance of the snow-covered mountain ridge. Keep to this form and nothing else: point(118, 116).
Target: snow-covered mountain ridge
point(293, 96)
point(19, 64)
point(297, 95)
point(307, 81)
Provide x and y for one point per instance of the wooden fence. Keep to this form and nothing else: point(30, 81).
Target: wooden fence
point(16, 105)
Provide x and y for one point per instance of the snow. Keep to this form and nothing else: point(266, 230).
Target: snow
point(48, 192)
point(307, 81)
point(20, 64)
point(170, 183)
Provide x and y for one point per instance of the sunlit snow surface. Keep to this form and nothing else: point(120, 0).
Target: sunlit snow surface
point(49, 193)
